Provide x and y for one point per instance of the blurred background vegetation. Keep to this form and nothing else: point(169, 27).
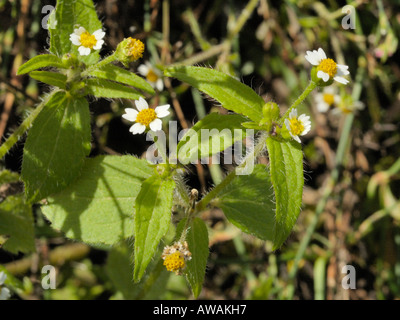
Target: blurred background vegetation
point(351, 203)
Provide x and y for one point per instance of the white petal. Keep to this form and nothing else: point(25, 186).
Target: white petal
point(98, 45)
point(156, 125)
point(330, 90)
point(306, 130)
point(293, 114)
point(162, 111)
point(322, 106)
point(312, 57)
point(79, 31)
point(322, 75)
point(130, 115)
point(342, 66)
point(160, 85)
point(321, 54)
point(287, 124)
point(99, 34)
point(143, 70)
point(306, 124)
point(341, 80)
point(137, 128)
point(358, 105)
point(296, 138)
point(5, 294)
point(141, 104)
point(75, 39)
point(303, 118)
point(342, 70)
point(83, 51)
point(3, 277)
point(319, 97)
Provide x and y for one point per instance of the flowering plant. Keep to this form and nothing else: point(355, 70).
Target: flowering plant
point(104, 200)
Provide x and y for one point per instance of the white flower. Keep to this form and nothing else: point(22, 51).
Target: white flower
point(327, 98)
point(327, 68)
point(4, 292)
point(152, 75)
point(297, 126)
point(145, 117)
point(347, 105)
point(87, 41)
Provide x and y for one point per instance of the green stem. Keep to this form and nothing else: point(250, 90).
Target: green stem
point(100, 64)
point(251, 157)
point(25, 125)
point(343, 143)
point(394, 168)
point(202, 56)
point(202, 204)
point(225, 46)
point(312, 85)
point(244, 16)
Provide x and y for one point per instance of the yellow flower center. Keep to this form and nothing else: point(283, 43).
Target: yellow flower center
point(328, 66)
point(174, 262)
point(152, 76)
point(329, 98)
point(88, 40)
point(146, 116)
point(296, 126)
point(135, 49)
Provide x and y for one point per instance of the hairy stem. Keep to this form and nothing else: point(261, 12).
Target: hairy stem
point(25, 125)
point(244, 16)
point(251, 157)
point(99, 65)
point(312, 85)
point(340, 155)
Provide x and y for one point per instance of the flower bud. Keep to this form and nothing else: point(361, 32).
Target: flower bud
point(129, 50)
point(69, 60)
point(319, 81)
point(77, 89)
point(271, 110)
point(271, 114)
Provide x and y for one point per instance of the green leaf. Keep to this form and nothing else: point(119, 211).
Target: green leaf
point(247, 202)
point(197, 239)
point(231, 93)
point(212, 134)
point(51, 78)
point(98, 207)
point(119, 268)
point(40, 61)
point(68, 16)
point(152, 219)
point(56, 146)
point(16, 223)
point(107, 89)
point(286, 168)
point(114, 73)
